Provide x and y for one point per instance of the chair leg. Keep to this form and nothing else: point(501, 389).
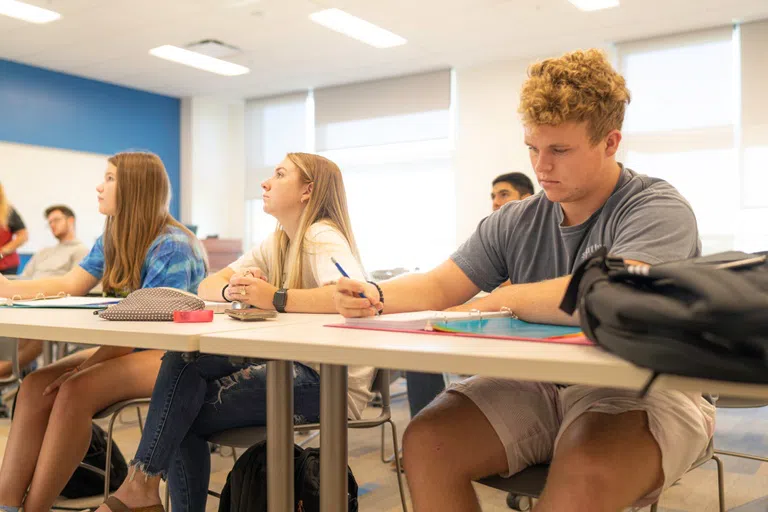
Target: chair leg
point(384, 457)
point(397, 465)
point(720, 482)
point(655, 507)
point(141, 420)
point(110, 440)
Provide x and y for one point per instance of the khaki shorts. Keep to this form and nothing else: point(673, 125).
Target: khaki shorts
point(529, 418)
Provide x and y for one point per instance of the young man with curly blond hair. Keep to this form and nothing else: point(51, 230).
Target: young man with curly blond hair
point(608, 449)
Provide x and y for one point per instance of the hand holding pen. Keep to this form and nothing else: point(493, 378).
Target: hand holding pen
point(352, 297)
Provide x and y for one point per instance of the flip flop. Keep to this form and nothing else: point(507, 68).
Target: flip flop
point(115, 505)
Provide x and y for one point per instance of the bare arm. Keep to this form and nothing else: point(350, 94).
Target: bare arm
point(315, 300)
point(259, 293)
point(532, 302)
point(75, 282)
point(104, 353)
point(210, 288)
point(438, 289)
point(19, 238)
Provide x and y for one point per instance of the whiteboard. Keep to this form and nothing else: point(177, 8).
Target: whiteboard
point(37, 177)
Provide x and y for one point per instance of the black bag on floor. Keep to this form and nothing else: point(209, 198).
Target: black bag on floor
point(703, 317)
point(84, 482)
point(246, 486)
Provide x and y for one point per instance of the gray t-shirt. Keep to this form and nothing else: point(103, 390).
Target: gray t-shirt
point(56, 260)
point(645, 219)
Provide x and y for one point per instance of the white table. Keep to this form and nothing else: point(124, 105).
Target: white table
point(82, 326)
point(335, 349)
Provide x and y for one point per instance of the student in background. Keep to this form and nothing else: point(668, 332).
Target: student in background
point(51, 428)
point(609, 449)
point(59, 259)
point(52, 261)
point(290, 271)
point(512, 186)
point(13, 234)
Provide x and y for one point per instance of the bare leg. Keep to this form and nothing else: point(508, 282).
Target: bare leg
point(28, 429)
point(447, 446)
point(603, 463)
point(69, 428)
point(29, 350)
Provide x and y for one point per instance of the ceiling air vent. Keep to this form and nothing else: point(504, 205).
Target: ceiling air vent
point(214, 48)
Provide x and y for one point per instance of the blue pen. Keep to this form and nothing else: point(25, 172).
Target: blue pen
point(338, 266)
point(361, 295)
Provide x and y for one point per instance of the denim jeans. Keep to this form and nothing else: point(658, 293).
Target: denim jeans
point(422, 389)
point(196, 399)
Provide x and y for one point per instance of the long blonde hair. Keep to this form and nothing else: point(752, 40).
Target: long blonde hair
point(5, 208)
point(327, 202)
point(143, 194)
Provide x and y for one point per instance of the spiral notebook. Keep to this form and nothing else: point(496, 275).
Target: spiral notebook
point(497, 325)
point(417, 320)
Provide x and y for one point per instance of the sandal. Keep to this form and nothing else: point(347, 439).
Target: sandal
point(115, 505)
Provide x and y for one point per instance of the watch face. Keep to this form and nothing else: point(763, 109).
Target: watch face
point(280, 299)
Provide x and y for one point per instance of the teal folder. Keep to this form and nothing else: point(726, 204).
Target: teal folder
point(507, 327)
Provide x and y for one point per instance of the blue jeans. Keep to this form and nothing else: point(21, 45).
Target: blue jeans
point(194, 400)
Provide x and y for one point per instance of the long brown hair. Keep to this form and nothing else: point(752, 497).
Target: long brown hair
point(143, 193)
point(327, 202)
point(5, 209)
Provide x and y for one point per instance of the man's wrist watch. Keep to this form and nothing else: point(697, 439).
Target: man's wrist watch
point(280, 300)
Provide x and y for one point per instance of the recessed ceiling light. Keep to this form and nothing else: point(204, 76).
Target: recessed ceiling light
point(198, 60)
point(27, 12)
point(594, 5)
point(356, 28)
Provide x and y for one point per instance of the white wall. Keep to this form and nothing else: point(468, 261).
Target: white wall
point(36, 177)
point(488, 137)
point(213, 165)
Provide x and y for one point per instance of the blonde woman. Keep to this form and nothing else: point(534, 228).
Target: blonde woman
point(13, 234)
point(142, 247)
point(290, 271)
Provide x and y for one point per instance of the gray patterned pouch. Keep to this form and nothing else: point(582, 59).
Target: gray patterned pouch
point(153, 304)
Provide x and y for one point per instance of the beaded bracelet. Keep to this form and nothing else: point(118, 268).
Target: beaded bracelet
point(381, 293)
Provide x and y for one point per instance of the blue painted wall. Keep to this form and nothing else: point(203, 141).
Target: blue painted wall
point(46, 108)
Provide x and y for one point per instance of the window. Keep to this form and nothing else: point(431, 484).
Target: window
point(273, 127)
point(392, 140)
point(682, 124)
point(401, 202)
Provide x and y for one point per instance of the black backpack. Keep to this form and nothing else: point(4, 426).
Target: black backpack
point(702, 317)
point(84, 482)
point(246, 486)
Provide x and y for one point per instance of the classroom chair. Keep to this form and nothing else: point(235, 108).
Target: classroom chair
point(249, 436)
point(9, 351)
point(740, 403)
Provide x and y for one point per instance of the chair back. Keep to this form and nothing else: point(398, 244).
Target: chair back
point(9, 351)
